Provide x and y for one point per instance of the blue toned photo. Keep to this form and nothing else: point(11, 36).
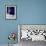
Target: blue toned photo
point(10, 12)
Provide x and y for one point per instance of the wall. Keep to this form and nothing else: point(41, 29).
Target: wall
point(28, 12)
point(7, 26)
point(33, 12)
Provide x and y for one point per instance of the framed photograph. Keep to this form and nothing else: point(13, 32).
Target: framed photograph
point(10, 12)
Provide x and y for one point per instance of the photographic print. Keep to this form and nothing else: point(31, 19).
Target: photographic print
point(10, 12)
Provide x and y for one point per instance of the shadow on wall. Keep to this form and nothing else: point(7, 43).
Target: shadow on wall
point(34, 43)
